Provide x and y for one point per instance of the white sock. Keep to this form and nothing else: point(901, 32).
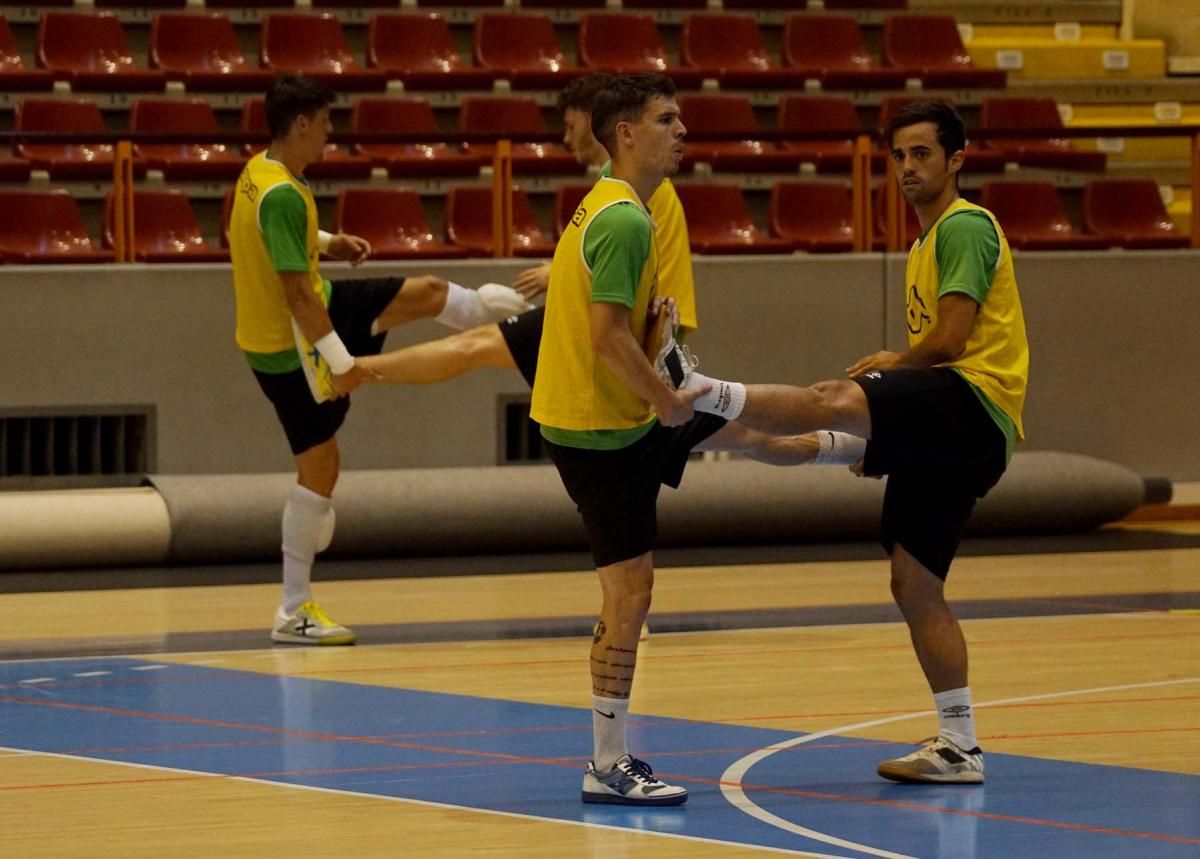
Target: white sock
point(305, 524)
point(956, 717)
point(839, 448)
point(492, 302)
point(725, 399)
point(608, 731)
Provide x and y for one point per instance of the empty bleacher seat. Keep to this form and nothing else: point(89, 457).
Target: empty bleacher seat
point(259, 4)
point(1129, 212)
point(521, 48)
point(565, 4)
point(164, 228)
point(800, 113)
point(816, 217)
point(418, 49)
point(664, 4)
point(44, 227)
point(14, 75)
point(732, 46)
point(912, 225)
point(226, 213)
point(830, 48)
point(980, 158)
point(1032, 217)
point(932, 44)
point(627, 43)
point(195, 161)
point(203, 51)
point(1035, 152)
point(719, 221)
point(516, 114)
point(335, 164)
point(66, 160)
point(314, 45)
point(92, 52)
point(566, 200)
point(393, 221)
point(469, 223)
point(733, 114)
point(410, 115)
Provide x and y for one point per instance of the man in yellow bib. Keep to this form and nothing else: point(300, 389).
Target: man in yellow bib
point(941, 418)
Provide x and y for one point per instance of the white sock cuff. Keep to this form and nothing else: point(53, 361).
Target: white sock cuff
point(462, 308)
point(724, 399)
point(304, 518)
point(839, 448)
point(611, 704)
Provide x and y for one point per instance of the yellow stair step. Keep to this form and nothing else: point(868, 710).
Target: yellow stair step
point(1042, 59)
point(1138, 115)
point(1062, 32)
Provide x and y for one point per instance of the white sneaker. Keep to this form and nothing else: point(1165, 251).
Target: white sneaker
point(309, 625)
point(629, 782)
point(674, 364)
point(502, 301)
point(938, 761)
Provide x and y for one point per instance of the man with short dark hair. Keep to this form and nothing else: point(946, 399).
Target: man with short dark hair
point(941, 418)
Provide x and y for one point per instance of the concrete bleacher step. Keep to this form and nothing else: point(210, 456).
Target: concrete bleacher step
point(1051, 59)
point(1134, 149)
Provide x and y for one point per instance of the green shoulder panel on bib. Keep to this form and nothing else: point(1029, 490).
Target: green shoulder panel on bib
point(967, 250)
point(283, 219)
point(616, 247)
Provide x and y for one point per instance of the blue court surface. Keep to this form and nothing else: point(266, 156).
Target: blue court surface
point(527, 759)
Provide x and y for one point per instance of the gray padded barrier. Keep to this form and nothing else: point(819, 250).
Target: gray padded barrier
point(461, 511)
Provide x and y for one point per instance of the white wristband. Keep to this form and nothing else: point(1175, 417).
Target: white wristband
point(334, 351)
point(323, 240)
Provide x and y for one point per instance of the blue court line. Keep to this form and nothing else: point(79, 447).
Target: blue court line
point(521, 758)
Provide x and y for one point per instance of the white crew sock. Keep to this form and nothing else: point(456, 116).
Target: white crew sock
point(956, 717)
point(468, 308)
point(725, 399)
point(839, 448)
point(608, 731)
point(305, 523)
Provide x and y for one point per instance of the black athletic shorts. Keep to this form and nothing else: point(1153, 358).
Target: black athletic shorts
point(941, 451)
point(523, 336)
point(353, 306)
point(616, 491)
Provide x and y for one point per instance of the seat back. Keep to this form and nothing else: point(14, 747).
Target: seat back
point(816, 113)
point(924, 41)
point(226, 214)
point(182, 116)
point(718, 113)
point(207, 42)
point(45, 223)
point(566, 200)
point(812, 211)
point(44, 114)
point(1026, 208)
point(1022, 113)
point(500, 114)
point(67, 41)
point(626, 42)
point(391, 219)
point(716, 212)
point(723, 41)
point(10, 53)
point(469, 220)
point(510, 40)
point(824, 41)
point(406, 114)
point(412, 43)
point(912, 224)
point(305, 43)
point(1126, 208)
point(163, 223)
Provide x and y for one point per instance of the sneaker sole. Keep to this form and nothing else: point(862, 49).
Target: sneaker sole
point(905, 777)
point(614, 799)
point(328, 641)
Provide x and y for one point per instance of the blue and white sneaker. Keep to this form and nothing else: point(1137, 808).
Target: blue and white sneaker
point(629, 782)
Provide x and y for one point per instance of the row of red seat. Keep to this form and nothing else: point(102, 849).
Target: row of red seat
point(748, 5)
point(701, 113)
point(202, 50)
point(46, 227)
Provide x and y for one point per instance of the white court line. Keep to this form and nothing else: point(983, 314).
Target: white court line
point(7, 751)
point(731, 779)
point(32, 680)
point(91, 673)
point(147, 667)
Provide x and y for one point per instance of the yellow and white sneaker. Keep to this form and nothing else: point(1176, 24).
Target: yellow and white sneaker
point(309, 625)
point(938, 761)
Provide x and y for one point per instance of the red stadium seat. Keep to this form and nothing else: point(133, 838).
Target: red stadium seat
point(67, 161)
point(627, 43)
point(164, 227)
point(474, 4)
point(518, 114)
point(816, 217)
point(93, 53)
point(203, 51)
point(354, 4)
point(912, 225)
point(800, 113)
point(336, 164)
point(521, 48)
point(14, 76)
point(226, 213)
point(140, 4)
point(664, 4)
point(831, 49)
point(393, 221)
point(469, 223)
point(866, 4)
point(733, 114)
point(719, 222)
point(565, 4)
point(980, 158)
point(412, 115)
point(733, 46)
point(1032, 216)
point(314, 45)
point(14, 169)
point(38, 227)
point(419, 50)
point(566, 200)
point(1035, 113)
point(932, 44)
point(259, 4)
point(187, 161)
point(1129, 212)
